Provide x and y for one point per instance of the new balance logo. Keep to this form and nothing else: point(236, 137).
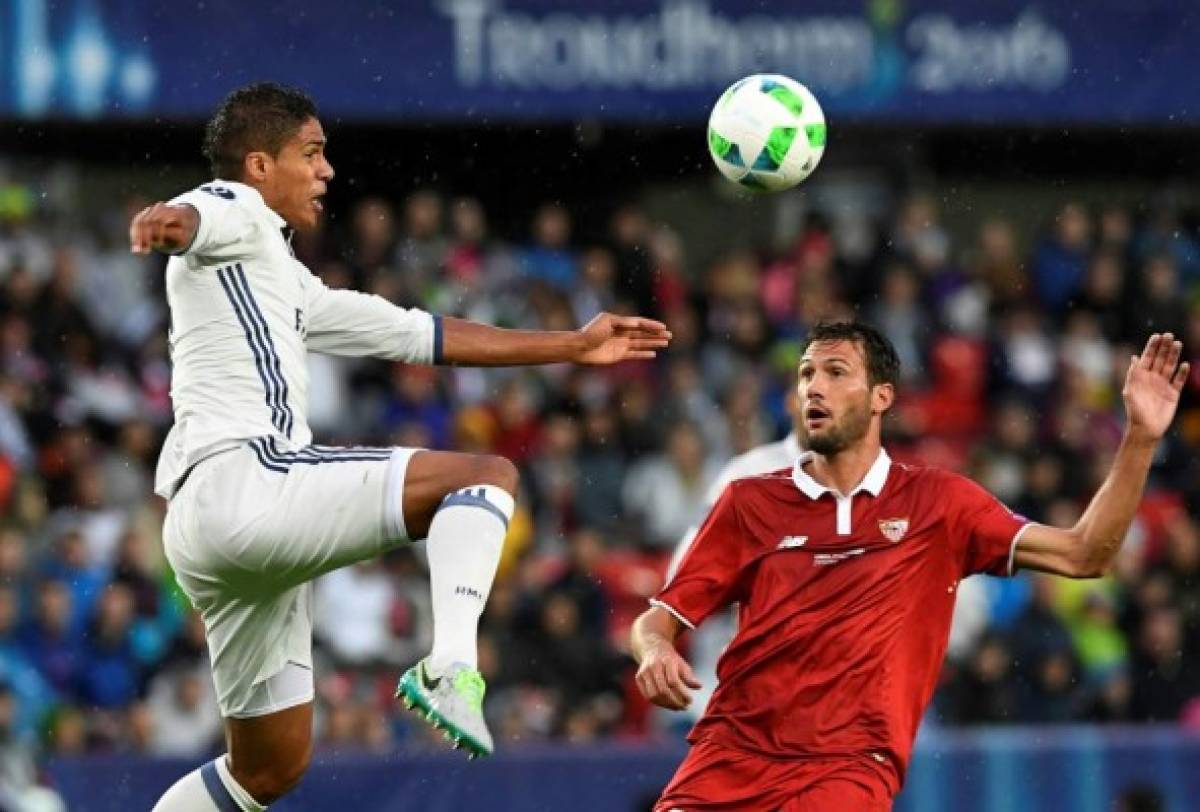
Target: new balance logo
point(468, 591)
point(791, 542)
point(828, 559)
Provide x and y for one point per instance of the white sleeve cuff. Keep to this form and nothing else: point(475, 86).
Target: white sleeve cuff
point(673, 611)
point(1012, 550)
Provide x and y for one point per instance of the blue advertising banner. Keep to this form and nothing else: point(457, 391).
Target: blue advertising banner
point(932, 61)
point(1046, 769)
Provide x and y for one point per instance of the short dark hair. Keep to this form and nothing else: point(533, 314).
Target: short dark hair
point(883, 365)
point(261, 116)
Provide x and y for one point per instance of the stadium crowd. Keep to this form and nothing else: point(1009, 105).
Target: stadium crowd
point(1013, 360)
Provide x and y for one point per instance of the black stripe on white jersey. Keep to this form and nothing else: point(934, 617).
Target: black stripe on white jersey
point(242, 284)
point(277, 460)
point(278, 419)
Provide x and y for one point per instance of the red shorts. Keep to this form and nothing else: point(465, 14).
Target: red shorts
point(715, 778)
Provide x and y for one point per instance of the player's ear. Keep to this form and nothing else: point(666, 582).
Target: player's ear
point(255, 166)
point(883, 395)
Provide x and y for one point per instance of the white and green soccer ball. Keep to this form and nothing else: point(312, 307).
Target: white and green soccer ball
point(766, 132)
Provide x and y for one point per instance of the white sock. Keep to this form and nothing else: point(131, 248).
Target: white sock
point(465, 540)
point(209, 789)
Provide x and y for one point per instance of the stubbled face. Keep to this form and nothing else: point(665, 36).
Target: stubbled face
point(836, 399)
point(294, 181)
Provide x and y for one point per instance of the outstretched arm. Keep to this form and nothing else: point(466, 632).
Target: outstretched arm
point(606, 339)
point(1088, 549)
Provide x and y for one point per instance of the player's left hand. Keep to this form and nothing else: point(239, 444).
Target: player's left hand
point(1152, 386)
point(610, 339)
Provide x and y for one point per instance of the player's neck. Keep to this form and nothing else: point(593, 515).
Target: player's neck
point(845, 470)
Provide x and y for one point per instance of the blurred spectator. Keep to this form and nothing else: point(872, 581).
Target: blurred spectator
point(1181, 568)
point(554, 477)
point(580, 581)
point(33, 695)
point(121, 291)
point(353, 606)
point(415, 403)
point(579, 667)
point(19, 786)
point(517, 419)
point(109, 676)
point(919, 237)
point(372, 241)
point(125, 469)
point(1025, 356)
point(667, 490)
point(15, 443)
point(51, 640)
point(70, 565)
point(1158, 304)
point(634, 282)
point(1165, 235)
point(602, 466)
point(1103, 295)
point(1098, 640)
point(182, 706)
point(420, 254)
point(1040, 633)
point(1111, 699)
point(1164, 671)
point(549, 259)
point(595, 293)
point(900, 315)
point(985, 692)
point(1060, 261)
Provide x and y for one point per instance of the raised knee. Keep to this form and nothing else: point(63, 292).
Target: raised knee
point(500, 472)
point(268, 786)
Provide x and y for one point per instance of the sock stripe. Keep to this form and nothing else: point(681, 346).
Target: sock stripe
point(474, 498)
point(217, 789)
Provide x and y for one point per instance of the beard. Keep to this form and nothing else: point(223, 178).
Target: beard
point(844, 433)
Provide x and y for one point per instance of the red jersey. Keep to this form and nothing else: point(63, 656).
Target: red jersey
point(845, 604)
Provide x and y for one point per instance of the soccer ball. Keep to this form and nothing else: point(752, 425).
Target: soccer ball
point(766, 132)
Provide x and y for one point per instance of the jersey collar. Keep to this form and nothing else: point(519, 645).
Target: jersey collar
point(872, 483)
point(250, 193)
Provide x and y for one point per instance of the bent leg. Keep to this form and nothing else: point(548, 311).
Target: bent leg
point(463, 503)
point(269, 754)
point(432, 475)
point(267, 757)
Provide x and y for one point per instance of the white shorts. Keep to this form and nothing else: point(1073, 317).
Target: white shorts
point(249, 530)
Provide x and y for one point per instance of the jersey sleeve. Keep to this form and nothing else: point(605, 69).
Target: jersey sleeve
point(346, 322)
point(226, 229)
point(708, 574)
point(988, 527)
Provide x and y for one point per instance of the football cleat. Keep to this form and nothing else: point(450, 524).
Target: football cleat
point(452, 703)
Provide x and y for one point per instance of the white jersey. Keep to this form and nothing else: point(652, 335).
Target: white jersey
point(244, 313)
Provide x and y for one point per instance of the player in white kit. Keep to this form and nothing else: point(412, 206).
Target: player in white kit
point(256, 510)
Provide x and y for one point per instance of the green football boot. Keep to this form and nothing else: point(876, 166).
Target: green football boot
point(452, 703)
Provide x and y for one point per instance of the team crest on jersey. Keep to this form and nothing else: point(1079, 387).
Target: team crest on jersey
point(893, 529)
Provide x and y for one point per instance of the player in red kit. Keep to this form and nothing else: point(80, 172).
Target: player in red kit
point(845, 568)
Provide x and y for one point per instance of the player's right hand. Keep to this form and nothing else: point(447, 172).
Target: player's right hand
point(665, 678)
point(161, 227)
